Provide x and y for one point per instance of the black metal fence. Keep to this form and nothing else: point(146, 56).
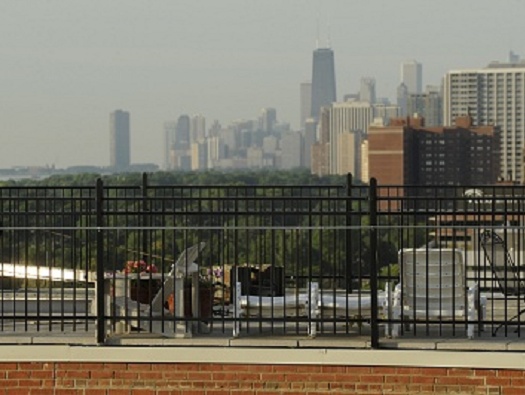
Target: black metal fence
point(351, 260)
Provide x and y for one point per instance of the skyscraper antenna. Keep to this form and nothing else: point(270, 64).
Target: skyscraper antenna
point(317, 38)
point(328, 38)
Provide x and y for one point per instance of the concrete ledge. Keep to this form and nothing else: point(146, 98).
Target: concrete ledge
point(255, 355)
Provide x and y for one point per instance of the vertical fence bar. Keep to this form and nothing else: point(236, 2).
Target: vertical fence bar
point(101, 326)
point(144, 219)
point(373, 262)
point(348, 234)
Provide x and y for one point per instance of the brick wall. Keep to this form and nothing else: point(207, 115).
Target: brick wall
point(202, 378)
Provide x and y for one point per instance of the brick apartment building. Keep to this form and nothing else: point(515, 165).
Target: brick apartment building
point(405, 152)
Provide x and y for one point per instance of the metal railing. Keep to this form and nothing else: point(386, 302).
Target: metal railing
point(350, 260)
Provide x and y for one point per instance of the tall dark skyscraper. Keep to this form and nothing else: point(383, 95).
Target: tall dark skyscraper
point(323, 80)
point(182, 133)
point(119, 156)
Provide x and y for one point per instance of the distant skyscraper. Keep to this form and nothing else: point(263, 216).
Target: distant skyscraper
point(169, 139)
point(347, 117)
point(198, 128)
point(412, 76)
point(323, 80)
point(513, 57)
point(310, 138)
point(268, 119)
point(119, 140)
point(291, 150)
point(182, 133)
point(368, 90)
point(305, 102)
point(427, 105)
point(402, 97)
point(491, 96)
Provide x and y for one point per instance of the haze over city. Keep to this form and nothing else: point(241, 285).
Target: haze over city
point(64, 66)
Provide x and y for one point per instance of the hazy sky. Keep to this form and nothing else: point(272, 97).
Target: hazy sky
point(66, 64)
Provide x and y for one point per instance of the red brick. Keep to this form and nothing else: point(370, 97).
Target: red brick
point(139, 366)
point(309, 368)
point(322, 377)
point(472, 381)
point(101, 374)
point(511, 373)
point(68, 366)
point(434, 371)
point(268, 377)
point(92, 366)
point(69, 392)
point(347, 378)
point(126, 375)
point(9, 383)
point(30, 383)
point(118, 392)
point(397, 379)
point(513, 390)
point(30, 366)
point(9, 366)
point(65, 382)
point(245, 368)
point(150, 375)
point(409, 371)
point(18, 374)
point(174, 375)
point(284, 368)
point(485, 372)
point(115, 366)
point(447, 380)
point(501, 381)
point(517, 382)
point(181, 366)
point(199, 376)
point(384, 370)
point(78, 374)
point(228, 376)
point(42, 374)
point(460, 372)
point(16, 391)
point(48, 391)
point(297, 377)
point(211, 367)
point(333, 369)
point(369, 378)
point(422, 380)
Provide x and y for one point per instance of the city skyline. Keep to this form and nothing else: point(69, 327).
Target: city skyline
point(65, 66)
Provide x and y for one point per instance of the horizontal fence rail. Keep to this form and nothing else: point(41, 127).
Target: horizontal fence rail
point(362, 261)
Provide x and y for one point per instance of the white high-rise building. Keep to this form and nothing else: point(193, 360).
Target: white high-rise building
point(412, 76)
point(347, 117)
point(494, 95)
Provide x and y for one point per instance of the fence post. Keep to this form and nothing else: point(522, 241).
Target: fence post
point(373, 262)
point(100, 296)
